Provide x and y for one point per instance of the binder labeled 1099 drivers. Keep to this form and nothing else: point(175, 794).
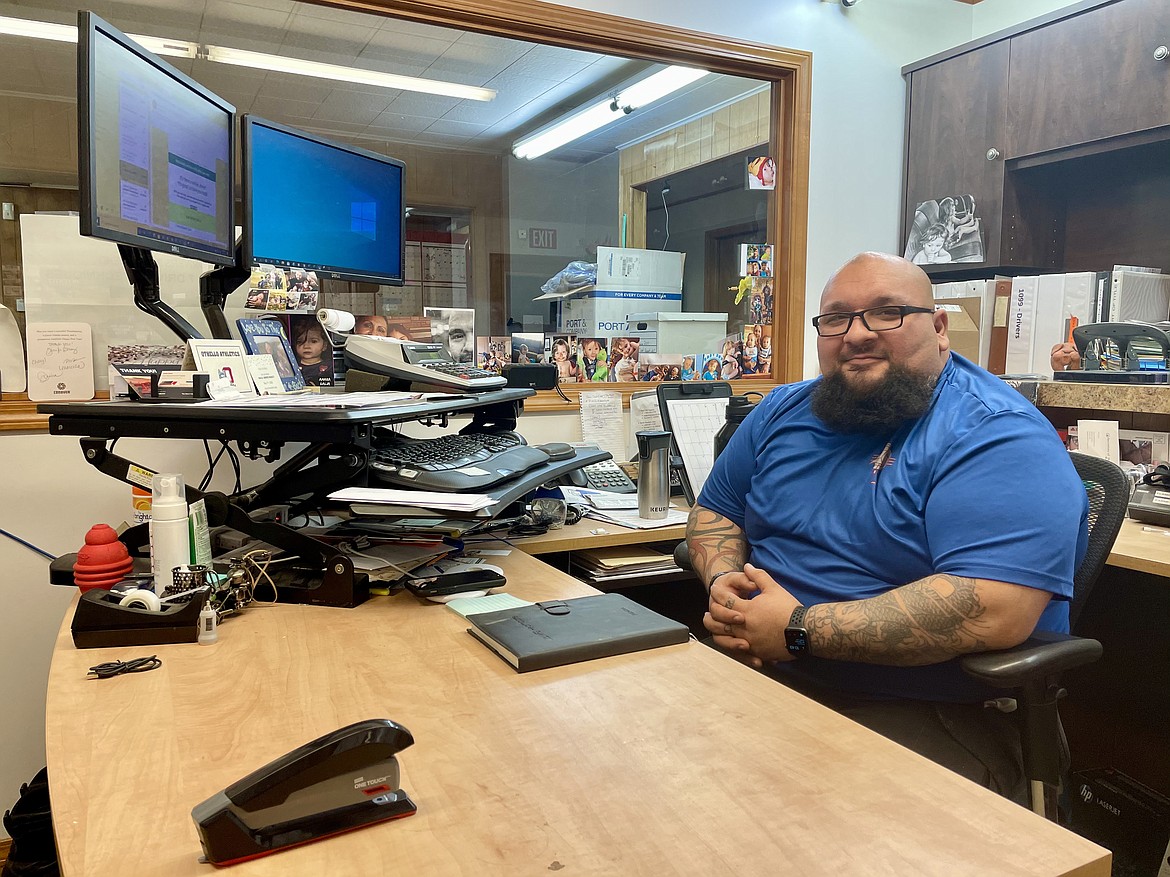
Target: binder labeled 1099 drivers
point(558, 632)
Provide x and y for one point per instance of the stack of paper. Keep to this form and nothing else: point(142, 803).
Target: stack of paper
point(630, 519)
point(387, 501)
point(621, 562)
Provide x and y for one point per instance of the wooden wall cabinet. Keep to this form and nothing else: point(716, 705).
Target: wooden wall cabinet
point(1060, 129)
point(956, 134)
point(1090, 77)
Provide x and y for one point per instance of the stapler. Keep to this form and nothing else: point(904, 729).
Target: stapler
point(345, 780)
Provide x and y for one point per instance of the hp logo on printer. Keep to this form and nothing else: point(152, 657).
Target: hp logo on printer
point(1086, 794)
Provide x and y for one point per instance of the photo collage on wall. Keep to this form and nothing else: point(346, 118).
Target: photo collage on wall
point(619, 358)
point(318, 351)
point(282, 289)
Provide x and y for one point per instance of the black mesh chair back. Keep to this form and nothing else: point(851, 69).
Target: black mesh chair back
point(1109, 489)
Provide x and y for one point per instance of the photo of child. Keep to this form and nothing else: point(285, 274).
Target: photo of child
point(564, 357)
point(761, 172)
point(591, 360)
point(527, 348)
point(710, 369)
point(688, 372)
point(313, 351)
point(623, 358)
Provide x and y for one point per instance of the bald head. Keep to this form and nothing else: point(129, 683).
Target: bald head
point(911, 279)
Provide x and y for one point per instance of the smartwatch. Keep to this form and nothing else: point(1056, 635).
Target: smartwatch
point(795, 634)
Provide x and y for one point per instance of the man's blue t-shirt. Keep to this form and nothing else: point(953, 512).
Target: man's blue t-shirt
point(979, 486)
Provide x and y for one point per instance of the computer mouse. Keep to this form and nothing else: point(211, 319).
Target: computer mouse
point(557, 450)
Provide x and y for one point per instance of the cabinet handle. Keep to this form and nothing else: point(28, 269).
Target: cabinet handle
point(1161, 53)
point(992, 154)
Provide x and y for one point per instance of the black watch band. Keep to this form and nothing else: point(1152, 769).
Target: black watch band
point(795, 634)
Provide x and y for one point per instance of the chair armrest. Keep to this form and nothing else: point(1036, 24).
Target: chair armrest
point(1042, 654)
point(682, 555)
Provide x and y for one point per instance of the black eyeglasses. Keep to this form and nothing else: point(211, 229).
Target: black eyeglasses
point(879, 319)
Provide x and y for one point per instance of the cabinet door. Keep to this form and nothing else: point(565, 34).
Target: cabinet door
point(1089, 77)
point(957, 113)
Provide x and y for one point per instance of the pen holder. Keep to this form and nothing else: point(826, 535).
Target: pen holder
point(186, 579)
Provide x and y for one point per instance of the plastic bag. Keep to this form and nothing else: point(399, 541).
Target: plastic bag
point(572, 276)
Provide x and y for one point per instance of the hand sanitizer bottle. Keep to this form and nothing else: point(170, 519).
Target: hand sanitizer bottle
point(170, 542)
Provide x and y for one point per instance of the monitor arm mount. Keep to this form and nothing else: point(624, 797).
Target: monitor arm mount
point(214, 288)
point(142, 271)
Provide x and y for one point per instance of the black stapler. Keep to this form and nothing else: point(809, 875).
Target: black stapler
point(345, 780)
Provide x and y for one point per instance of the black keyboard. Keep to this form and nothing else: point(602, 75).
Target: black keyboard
point(452, 462)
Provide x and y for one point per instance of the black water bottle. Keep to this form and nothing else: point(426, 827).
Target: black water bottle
point(738, 407)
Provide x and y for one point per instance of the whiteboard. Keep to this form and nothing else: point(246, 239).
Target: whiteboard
point(69, 278)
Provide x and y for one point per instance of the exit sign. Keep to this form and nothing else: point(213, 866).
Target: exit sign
point(542, 238)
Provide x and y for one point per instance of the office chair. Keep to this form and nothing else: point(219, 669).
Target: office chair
point(1033, 668)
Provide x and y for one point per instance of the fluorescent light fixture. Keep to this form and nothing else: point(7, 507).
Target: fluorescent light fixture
point(261, 61)
point(589, 118)
point(67, 33)
point(39, 30)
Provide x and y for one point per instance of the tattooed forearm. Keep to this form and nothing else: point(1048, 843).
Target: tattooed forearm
point(716, 544)
point(924, 622)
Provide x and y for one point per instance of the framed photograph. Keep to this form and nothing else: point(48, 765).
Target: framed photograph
point(219, 358)
point(268, 336)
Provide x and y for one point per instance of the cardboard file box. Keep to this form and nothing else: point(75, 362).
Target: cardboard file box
point(628, 281)
point(667, 332)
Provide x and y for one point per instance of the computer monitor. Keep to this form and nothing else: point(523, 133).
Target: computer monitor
point(155, 150)
point(310, 203)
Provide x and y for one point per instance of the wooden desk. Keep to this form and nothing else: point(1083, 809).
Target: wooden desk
point(672, 761)
point(578, 536)
point(1142, 550)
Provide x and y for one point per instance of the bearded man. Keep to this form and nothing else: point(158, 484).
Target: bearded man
point(864, 529)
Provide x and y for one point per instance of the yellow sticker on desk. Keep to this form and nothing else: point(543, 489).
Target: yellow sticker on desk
point(139, 476)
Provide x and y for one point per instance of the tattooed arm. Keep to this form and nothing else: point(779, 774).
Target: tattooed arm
point(716, 544)
point(931, 620)
point(924, 622)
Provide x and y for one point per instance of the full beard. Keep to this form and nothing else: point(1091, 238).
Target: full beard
point(900, 396)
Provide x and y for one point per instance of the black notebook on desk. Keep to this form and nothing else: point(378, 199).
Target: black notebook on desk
point(558, 632)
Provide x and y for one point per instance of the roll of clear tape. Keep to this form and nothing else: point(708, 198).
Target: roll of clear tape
point(336, 321)
point(141, 599)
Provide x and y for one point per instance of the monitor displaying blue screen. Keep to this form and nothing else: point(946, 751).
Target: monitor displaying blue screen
point(156, 150)
point(310, 203)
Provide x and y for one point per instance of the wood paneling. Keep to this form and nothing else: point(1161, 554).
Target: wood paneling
point(1089, 77)
point(957, 113)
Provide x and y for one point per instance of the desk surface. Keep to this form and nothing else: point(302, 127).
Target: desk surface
point(672, 761)
point(1142, 550)
point(577, 536)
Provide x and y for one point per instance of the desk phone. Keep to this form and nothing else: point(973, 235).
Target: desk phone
point(425, 366)
point(607, 475)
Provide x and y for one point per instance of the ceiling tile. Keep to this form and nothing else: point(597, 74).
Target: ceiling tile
point(248, 15)
point(449, 126)
point(233, 83)
point(418, 104)
point(357, 108)
point(287, 86)
point(476, 62)
point(405, 49)
point(292, 112)
point(551, 62)
point(337, 16)
point(391, 121)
